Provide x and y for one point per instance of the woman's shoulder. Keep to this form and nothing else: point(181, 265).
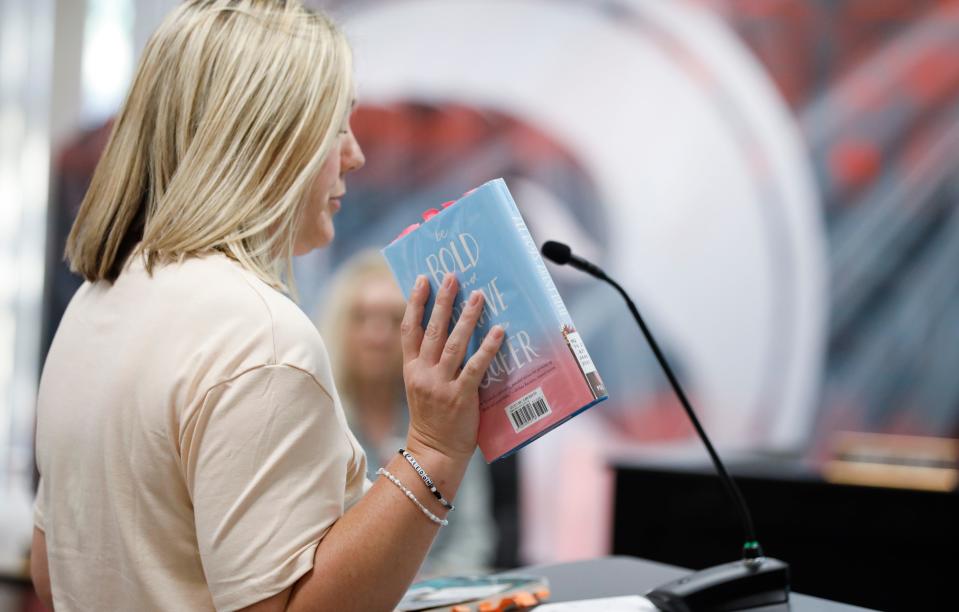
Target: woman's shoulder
point(219, 298)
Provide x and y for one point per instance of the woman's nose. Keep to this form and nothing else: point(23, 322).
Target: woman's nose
point(353, 158)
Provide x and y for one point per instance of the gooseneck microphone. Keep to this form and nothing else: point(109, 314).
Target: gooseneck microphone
point(559, 253)
point(755, 580)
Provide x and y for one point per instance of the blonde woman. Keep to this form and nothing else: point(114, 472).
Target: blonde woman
point(361, 324)
point(192, 450)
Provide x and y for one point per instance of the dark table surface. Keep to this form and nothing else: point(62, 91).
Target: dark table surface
point(616, 576)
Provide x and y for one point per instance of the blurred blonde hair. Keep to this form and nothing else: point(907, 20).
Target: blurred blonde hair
point(233, 107)
point(333, 317)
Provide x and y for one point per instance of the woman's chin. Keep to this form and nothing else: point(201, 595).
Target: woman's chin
point(322, 237)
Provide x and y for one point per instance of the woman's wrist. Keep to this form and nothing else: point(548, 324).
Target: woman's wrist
point(427, 444)
point(445, 469)
point(426, 478)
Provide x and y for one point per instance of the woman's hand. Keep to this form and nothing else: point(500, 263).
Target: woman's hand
point(444, 400)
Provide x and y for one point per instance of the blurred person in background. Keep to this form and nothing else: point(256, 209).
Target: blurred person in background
point(361, 326)
point(192, 450)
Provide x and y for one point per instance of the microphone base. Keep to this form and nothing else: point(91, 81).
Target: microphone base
point(740, 585)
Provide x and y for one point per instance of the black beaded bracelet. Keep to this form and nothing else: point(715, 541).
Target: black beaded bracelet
point(426, 479)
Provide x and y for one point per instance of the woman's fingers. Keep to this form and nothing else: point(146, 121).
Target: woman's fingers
point(458, 341)
point(434, 337)
point(444, 407)
point(474, 369)
point(411, 329)
point(432, 347)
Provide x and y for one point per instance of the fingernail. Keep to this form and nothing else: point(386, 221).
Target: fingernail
point(496, 332)
point(475, 298)
point(420, 282)
point(448, 281)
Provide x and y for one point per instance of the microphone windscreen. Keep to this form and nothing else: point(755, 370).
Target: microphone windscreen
point(557, 252)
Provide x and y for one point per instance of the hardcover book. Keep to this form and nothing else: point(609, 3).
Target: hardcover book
point(542, 375)
point(475, 593)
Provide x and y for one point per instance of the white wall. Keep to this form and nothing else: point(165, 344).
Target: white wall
point(26, 35)
point(42, 97)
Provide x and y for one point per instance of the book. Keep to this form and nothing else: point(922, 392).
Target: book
point(474, 593)
point(542, 375)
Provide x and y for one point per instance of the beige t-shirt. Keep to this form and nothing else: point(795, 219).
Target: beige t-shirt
point(190, 441)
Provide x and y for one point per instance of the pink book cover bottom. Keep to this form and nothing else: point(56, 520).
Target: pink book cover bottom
point(528, 392)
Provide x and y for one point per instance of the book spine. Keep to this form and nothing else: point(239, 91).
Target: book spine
point(534, 258)
point(564, 321)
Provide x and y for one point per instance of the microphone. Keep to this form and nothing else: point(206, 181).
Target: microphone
point(561, 254)
point(754, 580)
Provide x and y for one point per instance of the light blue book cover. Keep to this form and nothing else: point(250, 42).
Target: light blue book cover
point(542, 375)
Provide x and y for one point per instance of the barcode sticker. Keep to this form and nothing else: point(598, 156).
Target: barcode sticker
point(527, 410)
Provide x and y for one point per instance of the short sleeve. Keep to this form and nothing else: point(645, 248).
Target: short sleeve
point(265, 459)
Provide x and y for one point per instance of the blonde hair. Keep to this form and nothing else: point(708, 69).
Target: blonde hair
point(233, 107)
point(333, 318)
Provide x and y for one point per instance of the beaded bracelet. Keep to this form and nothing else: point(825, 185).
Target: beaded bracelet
point(426, 479)
point(426, 511)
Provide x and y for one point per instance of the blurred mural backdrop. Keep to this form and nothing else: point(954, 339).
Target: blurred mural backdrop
point(775, 181)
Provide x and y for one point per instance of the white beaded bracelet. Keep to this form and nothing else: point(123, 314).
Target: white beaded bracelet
point(426, 511)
